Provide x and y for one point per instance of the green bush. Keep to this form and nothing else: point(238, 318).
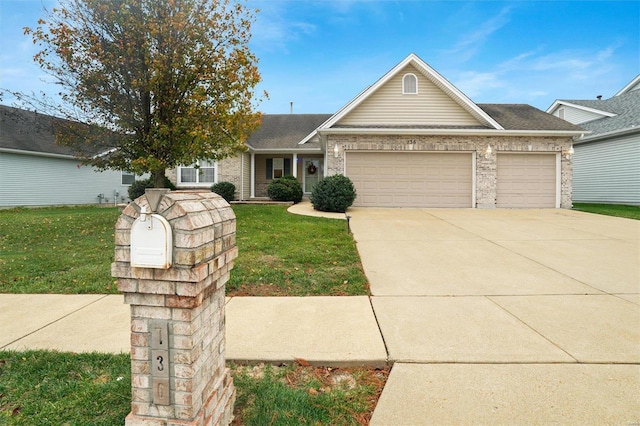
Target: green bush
point(136, 189)
point(226, 190)
point(286, 188)
point(333, 194)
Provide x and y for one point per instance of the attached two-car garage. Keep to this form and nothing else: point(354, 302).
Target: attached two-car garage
point(428, 179)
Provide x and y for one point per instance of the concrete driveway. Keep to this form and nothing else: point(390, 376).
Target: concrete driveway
point(518, 316)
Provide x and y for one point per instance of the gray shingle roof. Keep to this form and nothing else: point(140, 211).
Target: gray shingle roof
point(285, 131)
point(525, 117)
point(626, 107)
point(24, 130)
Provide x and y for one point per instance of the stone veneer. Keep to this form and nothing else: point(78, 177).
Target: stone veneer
point(486, 170)
point(190, 298)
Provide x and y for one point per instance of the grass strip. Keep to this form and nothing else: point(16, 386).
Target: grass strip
point(54, 388)
point(282, 254)
point(304, 395)
point(618, 210)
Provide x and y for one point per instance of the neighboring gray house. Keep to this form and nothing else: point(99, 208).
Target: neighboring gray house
point(34, 171)
point(606, 164)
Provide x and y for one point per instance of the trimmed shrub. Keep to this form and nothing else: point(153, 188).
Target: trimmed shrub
point(286, 188)
point(226, 190)
point(333, 194)
point(136, 189)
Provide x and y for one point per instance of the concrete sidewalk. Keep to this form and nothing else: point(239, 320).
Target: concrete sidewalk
point(330, 331)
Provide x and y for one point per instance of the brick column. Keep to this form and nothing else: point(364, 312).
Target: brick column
point(178, 372)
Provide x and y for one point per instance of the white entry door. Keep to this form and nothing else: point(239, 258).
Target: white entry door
point(312, 173)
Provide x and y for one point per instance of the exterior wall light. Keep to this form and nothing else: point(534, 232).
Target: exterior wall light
point(336, 151)
point(569, 152)
point(488, 151)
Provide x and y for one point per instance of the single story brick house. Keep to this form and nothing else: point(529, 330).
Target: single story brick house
point(412, 139)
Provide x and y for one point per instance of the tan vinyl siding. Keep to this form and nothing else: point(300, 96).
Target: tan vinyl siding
point(246, 176)
point(430, 106)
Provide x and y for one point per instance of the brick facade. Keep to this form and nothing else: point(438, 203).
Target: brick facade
point(486, 170)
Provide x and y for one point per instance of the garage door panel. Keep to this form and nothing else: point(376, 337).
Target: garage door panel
point(416, 180)
point(526, 180)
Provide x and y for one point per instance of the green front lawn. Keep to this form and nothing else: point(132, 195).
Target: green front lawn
point(629, 212)
point(70, 250)
point(57, 250)
point(291, 255)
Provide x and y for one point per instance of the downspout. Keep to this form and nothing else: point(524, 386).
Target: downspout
point(253, 175)
point(242, 177)
point(294, 166)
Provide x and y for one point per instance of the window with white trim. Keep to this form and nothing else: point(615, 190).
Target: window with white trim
point(409, 84)
point(203, 173)
point(127, 178)
point(278, 167)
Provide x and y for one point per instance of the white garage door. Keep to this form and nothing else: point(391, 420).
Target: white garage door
point(403, 179)
point(526, 180)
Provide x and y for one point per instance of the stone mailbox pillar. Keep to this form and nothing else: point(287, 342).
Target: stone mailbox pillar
point(178, 372)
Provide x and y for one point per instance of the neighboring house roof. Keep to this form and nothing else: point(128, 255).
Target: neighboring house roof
point(619, 114)
point(29, 132)
point(285, 131)
point(633, 85)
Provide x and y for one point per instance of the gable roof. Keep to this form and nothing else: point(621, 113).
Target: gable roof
point(587, 106)
point(625, 110)
point(456, 95)
point(632, 85)
point(285, 131)
point(29, 132)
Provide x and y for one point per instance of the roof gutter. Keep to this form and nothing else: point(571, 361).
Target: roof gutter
point(452, 132)
point(38, 154)
point(607, 135)
point(291, 150)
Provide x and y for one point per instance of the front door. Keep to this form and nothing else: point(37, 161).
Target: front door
point(312, 173)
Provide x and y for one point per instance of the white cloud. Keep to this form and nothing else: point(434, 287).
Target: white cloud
point(274, 28)
point(470, 43)
point(475, 83)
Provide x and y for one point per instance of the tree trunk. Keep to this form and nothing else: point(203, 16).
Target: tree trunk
point(158, 178)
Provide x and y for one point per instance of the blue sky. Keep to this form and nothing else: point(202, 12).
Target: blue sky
point(320, 54)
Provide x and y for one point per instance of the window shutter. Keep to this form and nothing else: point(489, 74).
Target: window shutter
point(269, 168)
point(287, 166)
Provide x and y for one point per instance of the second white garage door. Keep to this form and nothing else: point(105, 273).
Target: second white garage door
point(404, 179)
point(526, 180)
